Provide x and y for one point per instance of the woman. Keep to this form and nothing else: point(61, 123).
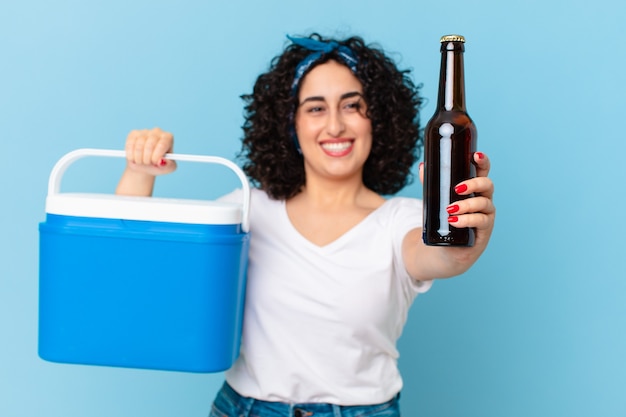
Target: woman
point(334, 266)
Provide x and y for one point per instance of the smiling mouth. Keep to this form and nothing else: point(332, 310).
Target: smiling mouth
point(337, 147)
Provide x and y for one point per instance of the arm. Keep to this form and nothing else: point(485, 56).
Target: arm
point(430, 262)
point(144, 161)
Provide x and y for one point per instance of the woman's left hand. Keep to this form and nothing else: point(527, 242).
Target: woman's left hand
point(477, 212)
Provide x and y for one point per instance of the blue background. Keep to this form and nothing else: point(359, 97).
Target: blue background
point(536, 328)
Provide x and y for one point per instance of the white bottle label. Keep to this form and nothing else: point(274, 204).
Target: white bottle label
point(445, 166)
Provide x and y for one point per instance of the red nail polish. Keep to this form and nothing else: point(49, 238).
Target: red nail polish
point(480, 155)
point(453, 219)
point(162, 162)
point(460, 188)
point(453, 209)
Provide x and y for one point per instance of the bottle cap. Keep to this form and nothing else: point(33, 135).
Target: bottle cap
point(452, 38)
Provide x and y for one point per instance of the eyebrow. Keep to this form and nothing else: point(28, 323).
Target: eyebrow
point(343, 97)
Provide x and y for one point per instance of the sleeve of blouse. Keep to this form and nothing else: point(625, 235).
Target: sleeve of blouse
point(234, 196)
point(407, 216)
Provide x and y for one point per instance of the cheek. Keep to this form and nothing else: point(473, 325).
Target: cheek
point(369, 141)
point(368, 146)
point(366, 132)
point(306, 127)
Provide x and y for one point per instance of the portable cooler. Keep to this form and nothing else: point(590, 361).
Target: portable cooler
point(141, 282)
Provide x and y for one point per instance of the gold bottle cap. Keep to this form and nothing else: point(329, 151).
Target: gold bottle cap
point(452, 38)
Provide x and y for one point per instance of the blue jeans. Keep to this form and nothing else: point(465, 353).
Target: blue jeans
point(229, 403)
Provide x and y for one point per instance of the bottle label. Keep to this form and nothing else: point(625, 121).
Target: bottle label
point(449, 88)
point(445, 166)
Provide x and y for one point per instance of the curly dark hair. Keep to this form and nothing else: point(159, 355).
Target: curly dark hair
point(271, 158)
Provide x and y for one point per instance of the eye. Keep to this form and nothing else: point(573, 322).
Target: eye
point(314, 109)
point(353, 105)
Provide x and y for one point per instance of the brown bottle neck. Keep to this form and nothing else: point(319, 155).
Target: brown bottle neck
point(451, 77)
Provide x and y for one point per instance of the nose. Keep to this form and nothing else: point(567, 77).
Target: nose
point(335, 124)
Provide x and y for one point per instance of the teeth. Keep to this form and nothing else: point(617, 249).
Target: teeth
point(336, 146)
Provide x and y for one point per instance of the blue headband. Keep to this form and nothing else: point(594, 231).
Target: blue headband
point(319, 48)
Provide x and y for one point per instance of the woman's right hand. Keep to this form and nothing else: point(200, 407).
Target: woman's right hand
point(145, 150)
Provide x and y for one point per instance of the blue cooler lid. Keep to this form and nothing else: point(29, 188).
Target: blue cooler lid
point(172, 210)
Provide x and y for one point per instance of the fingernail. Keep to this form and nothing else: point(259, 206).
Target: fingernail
point(162, 162)
point(421, 165)
point(460, 188)
point(453, 208)
point(453, 219)
point(480, 155)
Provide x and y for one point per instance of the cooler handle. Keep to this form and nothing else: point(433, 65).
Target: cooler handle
point(54, 184)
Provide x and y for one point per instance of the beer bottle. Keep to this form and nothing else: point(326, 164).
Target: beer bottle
point(450, 143)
